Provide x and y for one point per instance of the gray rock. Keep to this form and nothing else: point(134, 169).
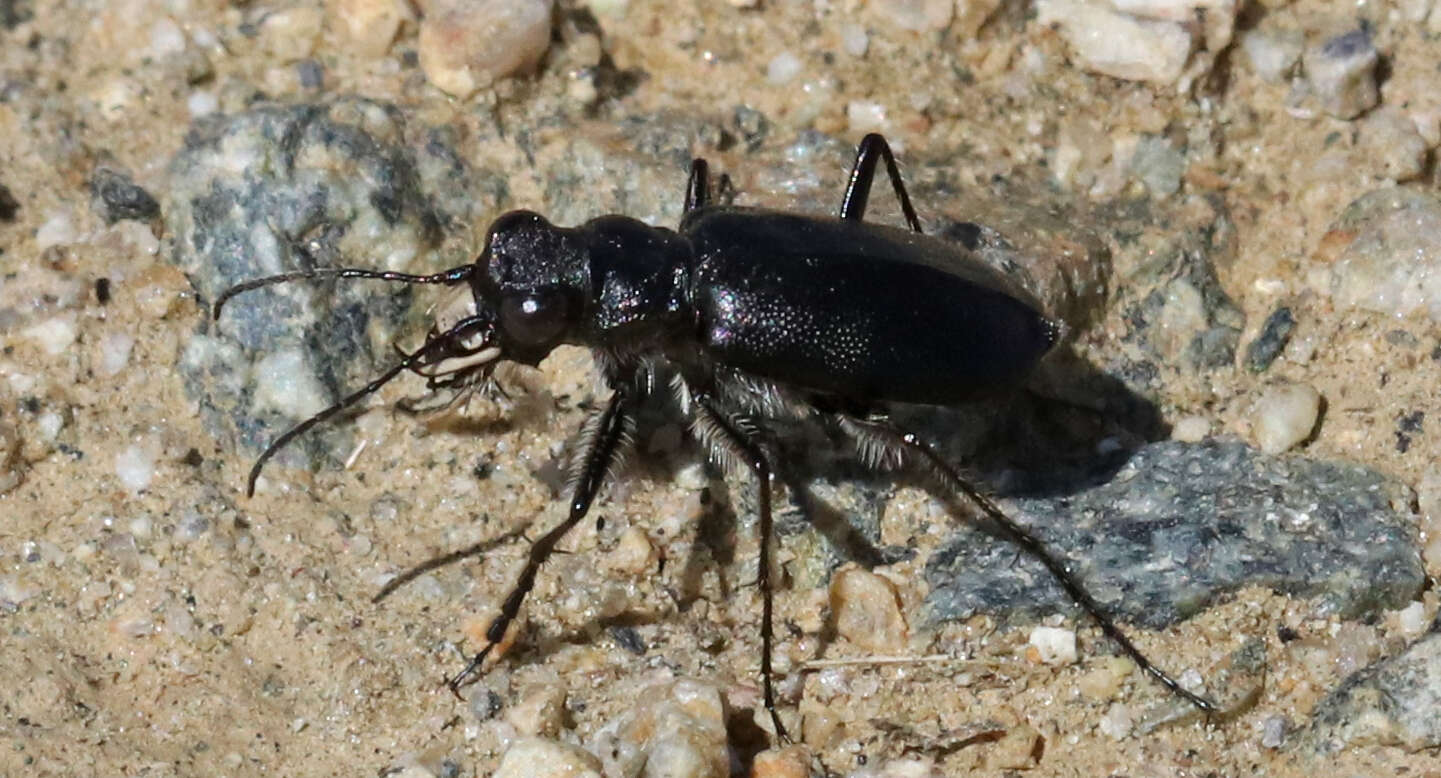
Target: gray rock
point(119, 198)
point(1394, 702)
point(278, 188)
point(1393, 265)
point(1180, 314)
point(1271, 341)
point(1158, 165)
point(1341, 74)
point(1181, 524)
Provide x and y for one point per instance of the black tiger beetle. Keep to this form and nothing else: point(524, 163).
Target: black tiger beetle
point(758, 316)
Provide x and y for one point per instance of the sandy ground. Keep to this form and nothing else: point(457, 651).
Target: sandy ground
point(178, 628)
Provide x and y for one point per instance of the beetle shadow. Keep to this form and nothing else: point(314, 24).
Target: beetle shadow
point(1035, 441)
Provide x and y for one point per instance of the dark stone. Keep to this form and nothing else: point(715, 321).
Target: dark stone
point(627, 638)
point(9, 206)
point(120, 198)
point(1271, 341)
point(14, 12)
point(312, 74)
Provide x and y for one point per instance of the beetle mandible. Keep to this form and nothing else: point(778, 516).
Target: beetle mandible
point(759, 315)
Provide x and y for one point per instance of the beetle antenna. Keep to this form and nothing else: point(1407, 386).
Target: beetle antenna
point(452, 276)
point(417, 357)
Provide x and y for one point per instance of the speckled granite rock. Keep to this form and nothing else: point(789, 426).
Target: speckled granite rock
point(1394, 702)
point(1182, 524)
point(284, 187)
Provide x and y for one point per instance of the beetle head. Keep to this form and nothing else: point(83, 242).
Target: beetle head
point(530, 282)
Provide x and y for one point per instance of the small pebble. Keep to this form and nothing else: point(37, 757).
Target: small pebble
point(1116, 44)
point(1118, 722)
point(369, 27)
point(1428, 501)
point(1103, 681)
point(788, 762)
point(1284, 416)
point(1191, 429)
point(867, 611)
point(1393, 264)
point(465, 45)
point(854, 40)
point(166, 39)
point(115, 351)
point(676, 755)
point(10, 472)
point(692, 477)
point(120, 198)
point(539, 758)
point(135, 466)
point(1341, 74)
point(1054, 645)
point(14, 593)
point(1271, 341)
point(1412, 619)
point(1273, 732)
point(540, 712)
point(1016, 750)
point(290, 35)
point(677, 730)
point(633, 553)
point(782, 68)
point(1158, 165)
point(912, 15)
point(1389, 142)
point(864, 116)
point(54, 335)
point(58, 230)
point(1273, 53)
point(201, 103)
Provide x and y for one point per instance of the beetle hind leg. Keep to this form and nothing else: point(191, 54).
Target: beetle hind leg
point(732, 437)
point(882, 443)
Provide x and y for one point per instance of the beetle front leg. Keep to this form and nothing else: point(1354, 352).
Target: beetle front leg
point(718, 429)
point(600, 443)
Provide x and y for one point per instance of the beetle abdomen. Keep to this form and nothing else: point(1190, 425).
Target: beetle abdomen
point(861, 311)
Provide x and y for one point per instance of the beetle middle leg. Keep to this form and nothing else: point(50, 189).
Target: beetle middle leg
point(909, 449)
point(697, 186)
point(733, 435)
point(600, 446)
point(874, 149)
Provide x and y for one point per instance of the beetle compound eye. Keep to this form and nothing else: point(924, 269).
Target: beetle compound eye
point(534, 319)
